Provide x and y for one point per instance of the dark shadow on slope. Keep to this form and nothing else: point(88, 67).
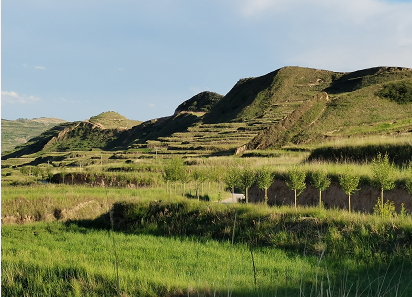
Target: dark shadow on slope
point(240, 96)
point(353, 81)
point(151, 130)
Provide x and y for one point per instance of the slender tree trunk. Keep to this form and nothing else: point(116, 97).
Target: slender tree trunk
point(320, 199)
point(349, 204)
point(266, 196)
point(296, 200)
point(382, 200)
point(247, 197)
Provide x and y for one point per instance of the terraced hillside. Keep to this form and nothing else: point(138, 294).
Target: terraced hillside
point(289, 106)
point(205, 139)
point(296, 105)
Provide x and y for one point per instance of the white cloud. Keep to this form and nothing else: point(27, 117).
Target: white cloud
point(9, 94)
point(10, 97)
point(358, 9)
point(40, 67)
point(334, 34)
point(152, 105)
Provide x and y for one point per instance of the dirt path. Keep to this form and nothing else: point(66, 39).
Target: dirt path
point(235, 199)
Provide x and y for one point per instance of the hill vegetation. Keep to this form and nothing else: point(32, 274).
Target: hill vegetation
point(20, 131)
point(202, 102)
point(99, 132)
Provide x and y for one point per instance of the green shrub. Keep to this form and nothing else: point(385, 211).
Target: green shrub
point(386, 210)
point(399, 92)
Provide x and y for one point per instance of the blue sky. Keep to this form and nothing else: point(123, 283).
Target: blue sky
point(74, 59)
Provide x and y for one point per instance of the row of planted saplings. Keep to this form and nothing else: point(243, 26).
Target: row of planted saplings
point(243, 177)
point(119, 180)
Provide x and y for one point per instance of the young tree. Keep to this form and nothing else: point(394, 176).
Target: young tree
point(320, 181)
point(246, 179)
point(24, 170)
point(63, 173)
point(184, 177)
point(264, 179)
point(296, 182)
point(199, 176)
point(173, 171)
point(349, 184)
point(203, 177)
point(217, 175)
point(72, 176)
point(36, 172)
point(49, 174)
point(44, 173)
point(383, 173)
point(196, 178)
point(231, 178)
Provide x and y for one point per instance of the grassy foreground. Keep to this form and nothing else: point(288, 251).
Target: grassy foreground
point(183, 248)
point(67, 260)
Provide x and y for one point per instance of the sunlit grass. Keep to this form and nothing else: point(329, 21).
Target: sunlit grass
point(145, 262)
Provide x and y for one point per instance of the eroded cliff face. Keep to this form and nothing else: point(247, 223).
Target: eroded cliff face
point(363, 200)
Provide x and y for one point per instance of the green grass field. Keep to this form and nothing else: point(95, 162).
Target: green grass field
point(63, 243)
point(66, 259)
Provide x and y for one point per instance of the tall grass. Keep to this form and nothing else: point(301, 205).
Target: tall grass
point(68, 260)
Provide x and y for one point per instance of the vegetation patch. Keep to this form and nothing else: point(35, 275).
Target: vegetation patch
point(399, 92)
point(302, 230)
point(399, 154)
point(202, 102)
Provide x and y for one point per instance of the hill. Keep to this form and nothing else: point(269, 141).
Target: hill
point(289, 106)
point(113, 120)
point(100, 132)
point(17, 132)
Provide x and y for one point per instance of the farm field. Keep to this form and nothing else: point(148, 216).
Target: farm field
point(66, 225)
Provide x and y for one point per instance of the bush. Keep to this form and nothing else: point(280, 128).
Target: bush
point(400, 92)
point(387, 210)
